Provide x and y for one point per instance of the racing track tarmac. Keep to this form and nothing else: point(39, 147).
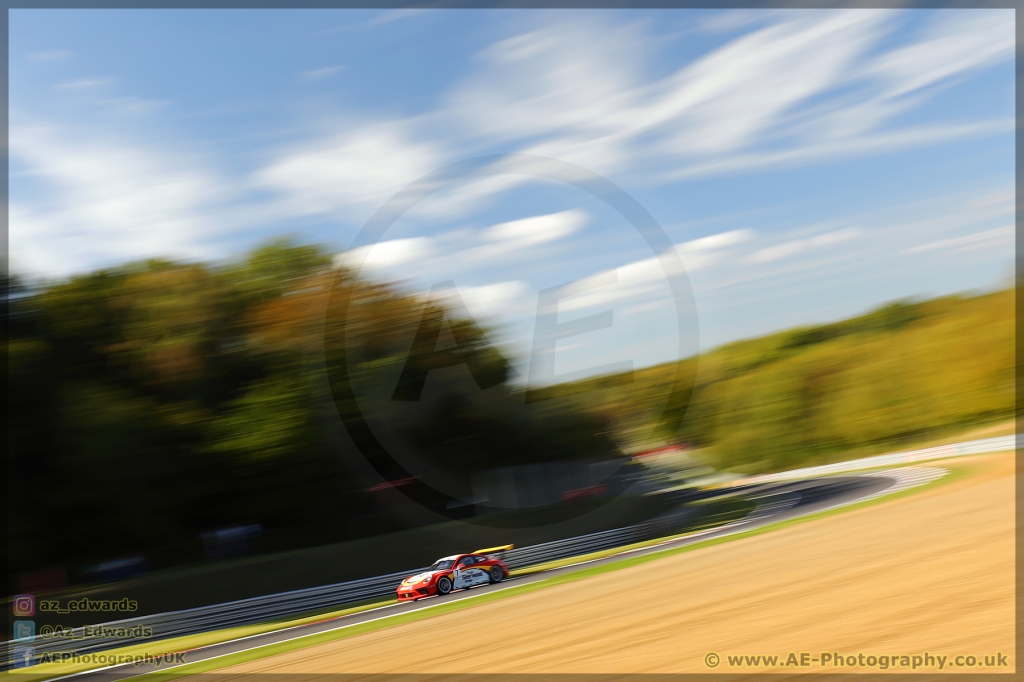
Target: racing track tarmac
point(777, 502)
point(932, 572)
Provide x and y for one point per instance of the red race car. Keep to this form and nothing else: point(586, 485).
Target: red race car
point(456, 572)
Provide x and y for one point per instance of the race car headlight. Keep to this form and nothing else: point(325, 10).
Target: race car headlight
point(426, 580)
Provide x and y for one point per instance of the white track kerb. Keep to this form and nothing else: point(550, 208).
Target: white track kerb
point(973, 447)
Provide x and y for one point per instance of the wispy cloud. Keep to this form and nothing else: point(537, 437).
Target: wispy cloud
point(388, 254)
point(999, 237)
point(953, 44)
point(880, 245)
point(131, 104)
point(649, 275)
point(705, 252)
point(49, 55)
point(392, 15)
point(112, 199)
point(791, 248)
point(505, 238)
point(492, 300)
point(84, 84)
point(863, 145)
point(321, 74)
point(382, 19)
point(725, 22)
point(465, 250)
point(357, 168)
point(798, 88)
point(793, 88)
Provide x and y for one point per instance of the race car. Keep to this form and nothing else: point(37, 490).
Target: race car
point(456, 572)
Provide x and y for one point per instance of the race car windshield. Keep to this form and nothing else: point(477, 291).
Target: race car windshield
point(442, 565)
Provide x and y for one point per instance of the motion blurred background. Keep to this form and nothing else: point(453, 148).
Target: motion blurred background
point(193, 346)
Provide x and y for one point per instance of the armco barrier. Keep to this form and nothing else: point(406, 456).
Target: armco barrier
point(275, 606)
point(284, 604)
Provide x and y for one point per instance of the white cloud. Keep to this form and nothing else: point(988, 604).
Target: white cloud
point(360, 167)
point(388, 254)
point(132, 105)
point(953, 44)
point(649, 275)
point(755, 127)
point(554, 79)
point(791, 248)
point(385, 17)
point(441, 255)
point(563, 91)
point(1003, 199)
point(707, 251)
point(734, 96)
point(718, 241)
point(110, 200)
point(392, 15)
point(852, 147)
point(425, 259)
point(725, 22)
point(799, 87)
point(956, 42)
point(964, 221)
point(999, 237)
point(492, 299)
point(321, 74)
point(49, 55)
point(645, 307)
point(464, 197)
point(84, 84)
point(514, 239)
point(578, 92)
point(517, 234)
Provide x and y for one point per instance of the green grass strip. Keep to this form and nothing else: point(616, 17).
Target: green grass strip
point(188, 642)
point(601, 554)
point(205, 639)
point(956, 473)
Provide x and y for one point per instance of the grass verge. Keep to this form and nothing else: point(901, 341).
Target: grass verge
point(735, 510)
point(957, 472)
point(718, 514)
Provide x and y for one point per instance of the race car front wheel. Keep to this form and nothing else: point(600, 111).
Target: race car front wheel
point(496, 574)
point(444, 586)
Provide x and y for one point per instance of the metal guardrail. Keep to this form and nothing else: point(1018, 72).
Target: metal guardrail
point(309, 600)
point(284, 604)
point(583, 544)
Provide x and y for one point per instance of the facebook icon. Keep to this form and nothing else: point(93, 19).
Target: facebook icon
point(24, 656)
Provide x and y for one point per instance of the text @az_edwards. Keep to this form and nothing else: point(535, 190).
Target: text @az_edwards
point(86, 605)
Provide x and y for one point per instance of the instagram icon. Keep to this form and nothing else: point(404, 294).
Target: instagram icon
point(24, 605)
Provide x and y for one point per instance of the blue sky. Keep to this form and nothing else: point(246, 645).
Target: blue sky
point(808, 165)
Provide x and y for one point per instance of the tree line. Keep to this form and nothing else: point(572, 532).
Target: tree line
point(905, 372)
point(157, 401)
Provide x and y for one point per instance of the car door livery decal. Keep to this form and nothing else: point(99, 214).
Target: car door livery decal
point(467, 576)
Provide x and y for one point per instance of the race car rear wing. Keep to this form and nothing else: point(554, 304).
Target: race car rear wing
point(495, 550)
